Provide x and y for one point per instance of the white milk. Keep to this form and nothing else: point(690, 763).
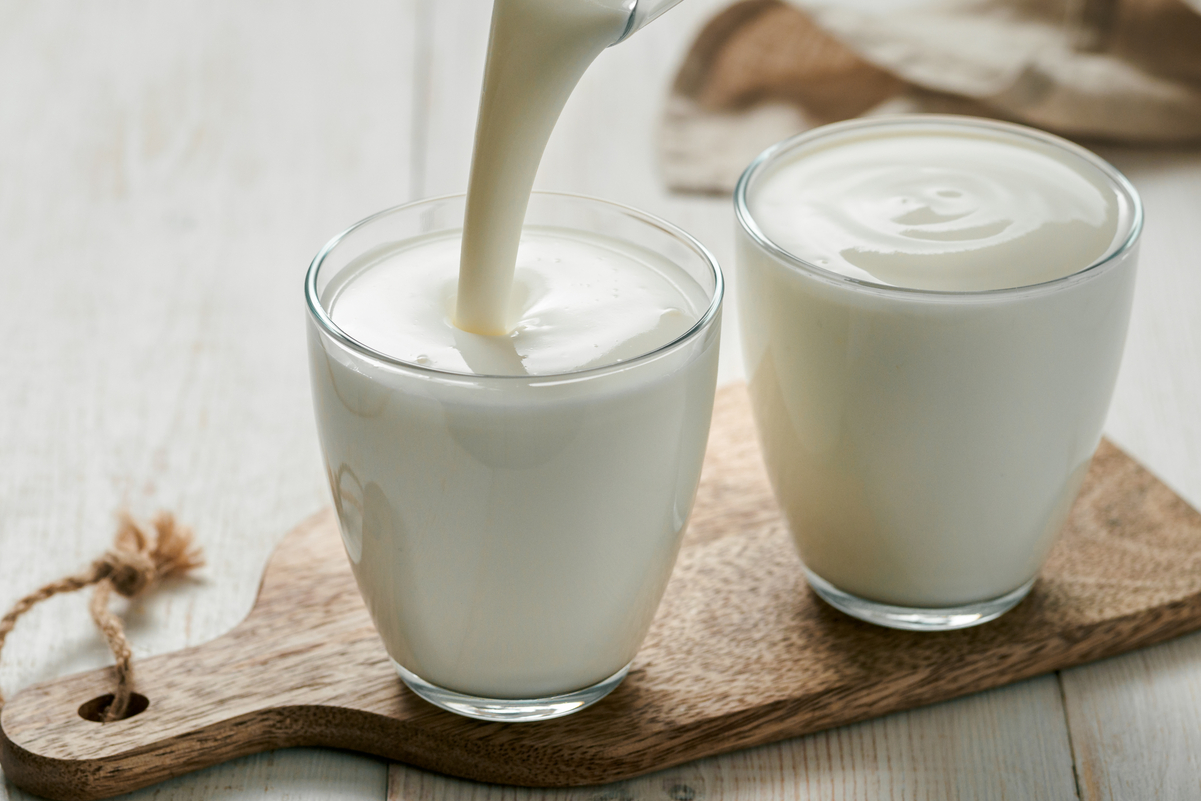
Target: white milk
point(926, 446)
point(512, 536)
point(537, 51)
point(948, 211)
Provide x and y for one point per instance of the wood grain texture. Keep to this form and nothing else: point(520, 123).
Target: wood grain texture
point(741, 653)
point(982, 747)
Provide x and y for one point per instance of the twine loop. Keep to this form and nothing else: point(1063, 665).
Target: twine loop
point(138, 560)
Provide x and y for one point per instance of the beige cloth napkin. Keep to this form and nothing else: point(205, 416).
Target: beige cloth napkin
point(762, 70)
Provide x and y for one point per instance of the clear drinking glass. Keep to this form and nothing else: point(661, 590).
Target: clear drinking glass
point(512, 535)
point(926, 446)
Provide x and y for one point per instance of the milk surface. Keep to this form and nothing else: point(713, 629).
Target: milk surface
point(937, 210)
point(537, 51)
point(579, 301)
point(926, 448)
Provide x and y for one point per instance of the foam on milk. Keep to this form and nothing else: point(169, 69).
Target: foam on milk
point(937, 210)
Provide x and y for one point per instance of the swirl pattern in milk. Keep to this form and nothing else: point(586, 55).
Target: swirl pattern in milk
point(579, 301)
point(938, 210)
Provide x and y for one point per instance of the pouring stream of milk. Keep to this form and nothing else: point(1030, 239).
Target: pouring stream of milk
point(489, 302)
point(537, 52)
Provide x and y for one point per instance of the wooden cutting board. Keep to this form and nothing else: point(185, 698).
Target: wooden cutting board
point(741, 653)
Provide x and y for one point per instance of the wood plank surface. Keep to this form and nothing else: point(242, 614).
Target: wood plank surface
point(1136, 719)
point(167, 171)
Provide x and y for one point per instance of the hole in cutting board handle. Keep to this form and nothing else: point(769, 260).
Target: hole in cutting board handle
point(94, 710)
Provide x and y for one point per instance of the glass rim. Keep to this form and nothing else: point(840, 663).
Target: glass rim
point(771, 155)
point(327, 325)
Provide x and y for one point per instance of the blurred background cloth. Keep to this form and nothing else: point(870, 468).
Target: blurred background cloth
point(762, 70)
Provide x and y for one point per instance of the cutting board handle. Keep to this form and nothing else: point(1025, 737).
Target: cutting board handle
point(201, 706)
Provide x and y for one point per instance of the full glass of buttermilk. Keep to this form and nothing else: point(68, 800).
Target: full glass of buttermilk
point(512, 505)
point(933, 311)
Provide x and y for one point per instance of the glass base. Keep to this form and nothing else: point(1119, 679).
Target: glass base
point(916, 618)
point(510, 710)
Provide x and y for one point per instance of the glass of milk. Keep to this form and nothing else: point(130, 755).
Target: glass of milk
point(933, 312)
point(512, 511)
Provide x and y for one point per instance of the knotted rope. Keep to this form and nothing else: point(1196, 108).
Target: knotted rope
point(137, 562)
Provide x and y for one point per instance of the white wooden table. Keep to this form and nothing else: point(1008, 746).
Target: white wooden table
point(167, 170)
